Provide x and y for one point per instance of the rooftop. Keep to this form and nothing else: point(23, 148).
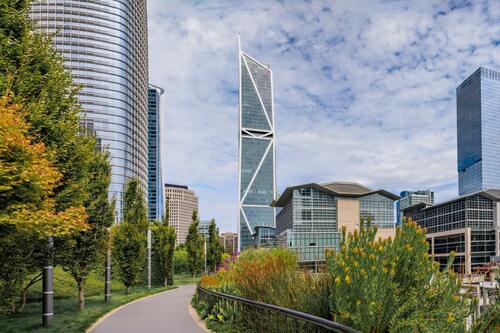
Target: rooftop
point(177, 186)
point(338, 189)
point(492, 194)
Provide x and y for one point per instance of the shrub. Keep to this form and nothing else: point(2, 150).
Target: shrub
point(181, 264)
point(393, 285)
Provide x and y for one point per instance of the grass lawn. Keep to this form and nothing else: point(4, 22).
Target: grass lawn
point(66, 316)
point(180, 279)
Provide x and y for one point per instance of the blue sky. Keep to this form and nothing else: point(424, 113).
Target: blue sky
point(364, 90)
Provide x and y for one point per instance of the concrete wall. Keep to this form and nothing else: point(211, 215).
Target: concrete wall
point(348, 214)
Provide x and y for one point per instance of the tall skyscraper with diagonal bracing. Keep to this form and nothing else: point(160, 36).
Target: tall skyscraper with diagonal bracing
point(257, 186)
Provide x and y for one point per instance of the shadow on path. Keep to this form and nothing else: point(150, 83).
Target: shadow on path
point(166, 312)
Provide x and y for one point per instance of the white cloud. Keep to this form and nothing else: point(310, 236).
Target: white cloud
point(364, 90)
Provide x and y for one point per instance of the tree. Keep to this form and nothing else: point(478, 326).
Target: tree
point(214, 247)
point(32, 74)
point(27, 209)
point(166, 215)
point(194, 246)
point(129, 241)
point(85, 251)
point(163, 251)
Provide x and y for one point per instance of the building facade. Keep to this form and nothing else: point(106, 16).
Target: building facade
point(182, 202)
point(203, 227)
point(156, 202)
point(410, 198)
point(104, 45)
point(312, 216)
point(230, 242)
point(256, 165)
point(478, 132)
point(468, 225)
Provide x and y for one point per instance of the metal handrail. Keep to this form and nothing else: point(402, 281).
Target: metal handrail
point(318, 321)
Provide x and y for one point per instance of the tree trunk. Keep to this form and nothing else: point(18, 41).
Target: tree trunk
point(13, 307)
point(81, 296)
point(24, 299)
point(127, 290)
point(165, 282)
point(24, 293)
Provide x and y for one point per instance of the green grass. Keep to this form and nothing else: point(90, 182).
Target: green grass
point(66, 316)
point(65, 286)
point(180, 279)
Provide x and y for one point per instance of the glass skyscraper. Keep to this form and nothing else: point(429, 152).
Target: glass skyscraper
point(478, 132)
point(155, 179)
point(256, 149)
point(410, 198)
point(104, 45)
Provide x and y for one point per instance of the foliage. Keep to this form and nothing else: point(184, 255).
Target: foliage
point(32, 71)
point(163, 244)
point(28, 180)
point(44, 168)
point(392, 285)
point(372, 285)
point(28, 216)
point(269, 275)
point(85, 251)
point(194, 246)
point(181, 264)
point(129, 239)
point(214, 248)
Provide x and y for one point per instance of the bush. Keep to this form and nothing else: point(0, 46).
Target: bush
point(393, 285)
point(372, 285)
point(181, 264)
point(268, 275)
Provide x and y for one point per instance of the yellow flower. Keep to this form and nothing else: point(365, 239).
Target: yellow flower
point(337, 280)
point(450, 317)
point(348, 279)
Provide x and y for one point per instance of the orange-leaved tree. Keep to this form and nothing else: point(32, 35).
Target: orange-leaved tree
point(28, 215)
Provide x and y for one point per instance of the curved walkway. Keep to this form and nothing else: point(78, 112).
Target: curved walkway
point(165, 312)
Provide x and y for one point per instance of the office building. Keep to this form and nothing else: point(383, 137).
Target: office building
point(104, 45)
point(312, 216)
point(182, 202)
point(203, 227)
point(410, 198)
point(478, 132)
point(230, 242)
point(256, 149)
point(155, 180)
point(468, 225)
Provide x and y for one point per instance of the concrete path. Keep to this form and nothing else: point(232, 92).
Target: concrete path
point(166, 313)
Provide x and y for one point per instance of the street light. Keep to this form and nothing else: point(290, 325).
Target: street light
point(107, 271)
point(205, 239)
point(149, 258)
point(48, 288)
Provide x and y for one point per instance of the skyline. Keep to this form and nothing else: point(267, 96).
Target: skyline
point(345, 69)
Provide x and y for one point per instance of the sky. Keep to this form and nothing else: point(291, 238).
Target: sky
point(364, 90)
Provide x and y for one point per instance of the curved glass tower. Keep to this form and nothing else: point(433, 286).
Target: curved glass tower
point(104, 45)
point(257, 186)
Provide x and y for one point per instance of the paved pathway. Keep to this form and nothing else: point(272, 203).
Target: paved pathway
point(166, 313)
